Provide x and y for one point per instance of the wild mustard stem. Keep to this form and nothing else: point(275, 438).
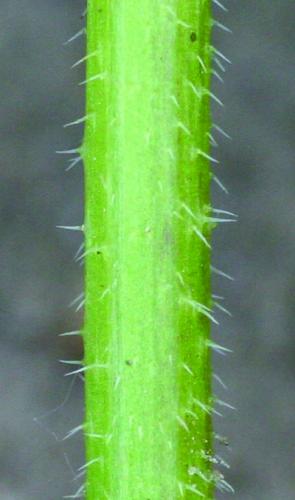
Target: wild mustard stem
point(147, 234)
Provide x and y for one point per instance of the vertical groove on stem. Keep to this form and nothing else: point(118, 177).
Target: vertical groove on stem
point(147, 233)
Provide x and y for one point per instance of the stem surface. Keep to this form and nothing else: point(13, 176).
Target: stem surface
point(147, 234)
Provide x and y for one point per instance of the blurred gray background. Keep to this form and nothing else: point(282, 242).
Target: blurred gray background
point(39, 93)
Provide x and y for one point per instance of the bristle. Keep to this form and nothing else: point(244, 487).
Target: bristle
point(75, 36)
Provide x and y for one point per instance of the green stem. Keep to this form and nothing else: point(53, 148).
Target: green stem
point(147, 230)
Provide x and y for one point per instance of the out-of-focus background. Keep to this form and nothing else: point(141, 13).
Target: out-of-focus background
point(38, 279)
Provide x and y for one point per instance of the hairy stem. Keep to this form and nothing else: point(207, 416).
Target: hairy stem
point(147, 232)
